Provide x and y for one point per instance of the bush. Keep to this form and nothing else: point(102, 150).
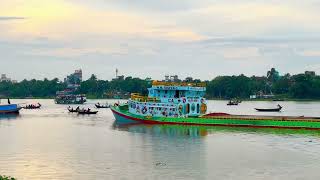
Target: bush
point(6, 178)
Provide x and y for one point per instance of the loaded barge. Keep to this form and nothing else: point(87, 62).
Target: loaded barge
point(184, 103)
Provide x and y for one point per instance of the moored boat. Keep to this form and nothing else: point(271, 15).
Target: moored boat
point(269, 109)
point(183, 103)
point(232, 103)
point(99, 106)
point(10, 109)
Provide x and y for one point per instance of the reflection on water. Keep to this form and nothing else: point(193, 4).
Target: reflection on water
point(9, 116)
point(200, 131)
point(169, 130)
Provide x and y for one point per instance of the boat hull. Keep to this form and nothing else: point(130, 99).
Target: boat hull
point(268, 110)
point(9, 109)
point(231, 120)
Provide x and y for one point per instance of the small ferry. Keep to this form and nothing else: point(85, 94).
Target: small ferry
point(68, 97)
point(184, 103)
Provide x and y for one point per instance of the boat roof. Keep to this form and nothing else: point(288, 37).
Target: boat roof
point(183, 84)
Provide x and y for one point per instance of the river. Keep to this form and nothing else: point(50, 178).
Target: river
point(50, 143)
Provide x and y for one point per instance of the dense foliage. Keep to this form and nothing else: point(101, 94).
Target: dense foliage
point(6, 178)
point(33, 88)
point(300, 86)
point(117, 87)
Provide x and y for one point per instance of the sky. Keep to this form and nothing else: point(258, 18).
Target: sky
point(152, 38)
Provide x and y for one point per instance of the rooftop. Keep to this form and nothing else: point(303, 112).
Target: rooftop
point(163, 83)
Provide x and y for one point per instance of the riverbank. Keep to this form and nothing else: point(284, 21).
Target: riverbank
point(275, 100)
point(216, 99)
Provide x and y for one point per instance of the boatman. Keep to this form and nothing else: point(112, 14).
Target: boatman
point(9, 101)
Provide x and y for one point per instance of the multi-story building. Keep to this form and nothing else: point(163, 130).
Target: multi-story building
point(4, 78)
point(74, 79)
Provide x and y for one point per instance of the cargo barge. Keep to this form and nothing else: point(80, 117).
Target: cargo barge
point(183, 103)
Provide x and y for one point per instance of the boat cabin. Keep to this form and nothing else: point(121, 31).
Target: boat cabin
point(170, 99)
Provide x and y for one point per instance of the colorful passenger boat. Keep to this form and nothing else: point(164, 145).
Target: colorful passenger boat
point(184, 103)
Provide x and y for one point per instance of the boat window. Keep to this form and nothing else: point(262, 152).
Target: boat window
point(177, 94)
point(188, 108)
point(198, 108)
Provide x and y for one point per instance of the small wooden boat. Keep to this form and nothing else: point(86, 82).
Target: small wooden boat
point(32, 106)
point(270, 110)
point(87, 112)
point(232, 103)
point(73, 110)
point(278, 99)
point(98, 105)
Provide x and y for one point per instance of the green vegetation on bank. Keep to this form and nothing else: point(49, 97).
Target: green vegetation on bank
point(304, 86)
point(6, 178)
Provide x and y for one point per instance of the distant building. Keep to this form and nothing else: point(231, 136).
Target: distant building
point(167, 78)
point(261, 95)
point(172, 78)
point(148, 79)
point(188, 79)
point(175, 78)
point(74, 80)
point(311, 73)
point(118, 77)
point(253, 96)
point(4, 78)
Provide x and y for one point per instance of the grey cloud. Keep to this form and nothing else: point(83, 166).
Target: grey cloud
point(258, 40)
point(149, 5)
point(7, 18)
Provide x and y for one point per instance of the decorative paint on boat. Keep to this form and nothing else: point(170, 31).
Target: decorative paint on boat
point(9, 108)
point(170, 99)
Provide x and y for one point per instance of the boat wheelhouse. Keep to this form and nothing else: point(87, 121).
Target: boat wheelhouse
point(170, 99)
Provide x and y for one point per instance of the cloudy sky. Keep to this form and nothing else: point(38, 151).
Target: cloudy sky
point(151, 38)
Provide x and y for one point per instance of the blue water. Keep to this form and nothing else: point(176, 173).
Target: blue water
point(51, 143)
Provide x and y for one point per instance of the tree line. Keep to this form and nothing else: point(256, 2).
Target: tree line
point(299, 86)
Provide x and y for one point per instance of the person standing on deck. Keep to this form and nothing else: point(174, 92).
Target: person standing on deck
point(9, 101)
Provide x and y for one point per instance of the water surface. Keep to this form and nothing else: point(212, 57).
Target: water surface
point(51, 143)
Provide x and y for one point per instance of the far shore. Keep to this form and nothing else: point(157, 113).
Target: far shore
point(216, 99)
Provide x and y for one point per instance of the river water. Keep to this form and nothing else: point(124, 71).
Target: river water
point(51, 143)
